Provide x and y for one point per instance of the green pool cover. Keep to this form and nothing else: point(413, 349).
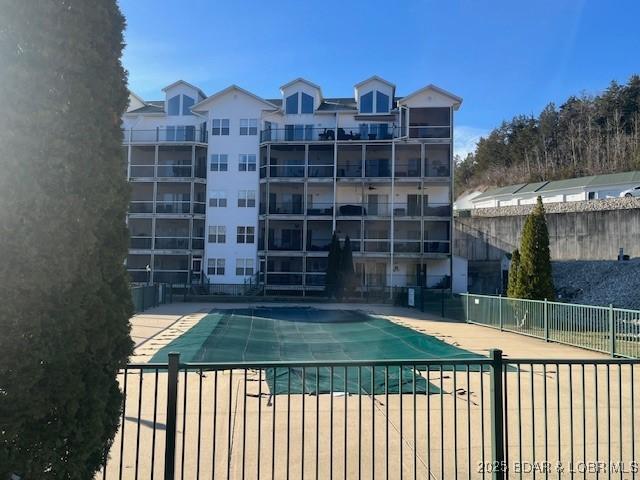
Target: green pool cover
point(304, 334)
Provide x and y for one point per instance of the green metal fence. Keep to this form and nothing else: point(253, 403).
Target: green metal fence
point(438, 302)
point(147, 296)
point(604, 329)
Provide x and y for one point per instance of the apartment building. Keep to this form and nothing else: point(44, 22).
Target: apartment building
point(282, 174)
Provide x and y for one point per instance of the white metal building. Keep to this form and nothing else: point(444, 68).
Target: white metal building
point(570, 190)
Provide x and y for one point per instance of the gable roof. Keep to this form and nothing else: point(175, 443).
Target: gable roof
point(375, 77)
point(303, 80)
point(229, 89)
point(182, 82)
point(457, 100)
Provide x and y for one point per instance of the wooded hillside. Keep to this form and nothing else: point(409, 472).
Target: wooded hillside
point(586, 135)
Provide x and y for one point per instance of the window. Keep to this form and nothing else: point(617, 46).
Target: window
point(218, 199)
point(187, 103)
point(382, 102)
point(246, 235)
point(247, 163)
point(173, 107)
point(292, 104)
point(219, 162)
point(244, 266)
point(217, 234)
point(366, 103)
point(220, 126)
point(307, 103)
point(247, 198)
point(248, 126)
point(215, 266)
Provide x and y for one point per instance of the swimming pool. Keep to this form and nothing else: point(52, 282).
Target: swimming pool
point(301, 334)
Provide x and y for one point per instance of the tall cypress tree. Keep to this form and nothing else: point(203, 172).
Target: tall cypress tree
point(333, 267)
point(63, 197)
point(513, 274)
point(535, 281)
point(347, 273)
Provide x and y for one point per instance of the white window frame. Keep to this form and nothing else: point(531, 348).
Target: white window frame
point(218, 199)
point(246, 198)
point(245, 267)
point(217, 234)
point(247, 162)
point(215, 266)
point(220, 126)
point(246, 234)
point(219, 160)
point(248, 126)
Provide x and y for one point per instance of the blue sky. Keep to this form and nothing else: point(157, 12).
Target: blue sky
point(503, 57)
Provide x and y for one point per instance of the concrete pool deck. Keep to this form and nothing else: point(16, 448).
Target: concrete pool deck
point(241, 403)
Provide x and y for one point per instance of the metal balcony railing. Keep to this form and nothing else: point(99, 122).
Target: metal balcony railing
point(170, 134)
point(309, 133)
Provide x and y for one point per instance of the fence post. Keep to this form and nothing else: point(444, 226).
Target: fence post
point(497, 415)
point(500, 310)
point(467, 312)
point(546, 320)
point(172, 408)
point(612, 332)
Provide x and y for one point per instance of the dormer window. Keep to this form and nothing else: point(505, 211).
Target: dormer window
point(366, 103)
point(295, 105)
point(173, 105)
point(307, 103)
point(382, 102)
point(374, 101)
point(292, 104)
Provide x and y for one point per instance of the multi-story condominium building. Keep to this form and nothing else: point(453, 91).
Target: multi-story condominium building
point(282, 175)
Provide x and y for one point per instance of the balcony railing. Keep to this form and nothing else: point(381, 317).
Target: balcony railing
point(173, 207)
point(177, 134)
point(430, 131)
point(286, 207)
point(281, 278)
point(171, 243)
point(140, 242)
point(169, 207)
point(437, 246)
point(309, 133)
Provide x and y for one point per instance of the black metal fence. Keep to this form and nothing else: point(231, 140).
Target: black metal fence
point(449, 418)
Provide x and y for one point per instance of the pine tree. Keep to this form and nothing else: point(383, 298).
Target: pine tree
point(535, 281)
point(333, 267)
point(513, 274)
point(64, 314)
point(347, 273)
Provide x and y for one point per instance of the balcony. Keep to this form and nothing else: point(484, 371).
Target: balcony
point(413, 209)
point(281, 278)
point(173, 207)
point(140, 242)
point(285, 207)
point(175, 134)
point(172, 243)
point(437, 246)
point(309, 133)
